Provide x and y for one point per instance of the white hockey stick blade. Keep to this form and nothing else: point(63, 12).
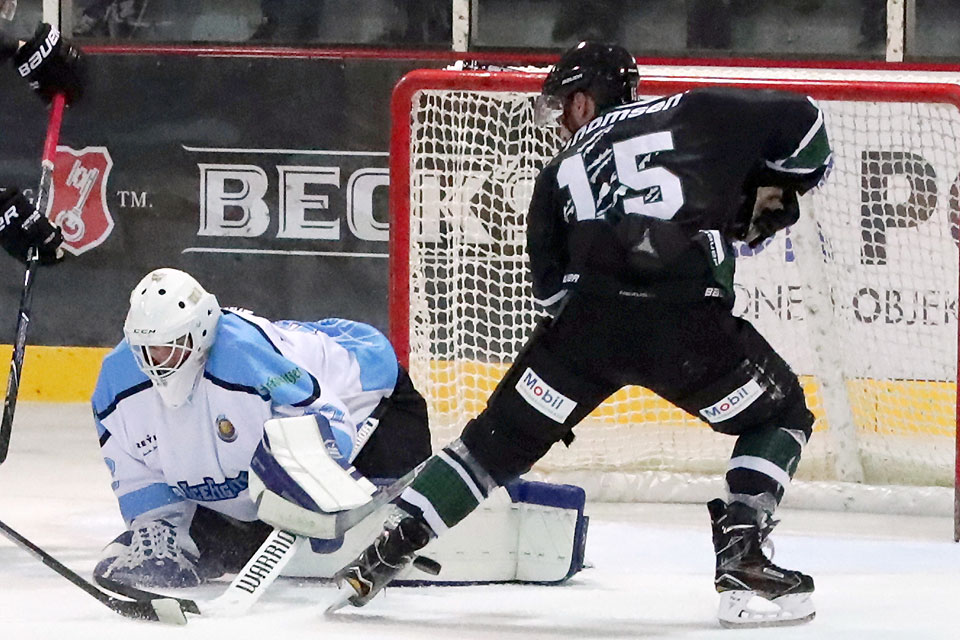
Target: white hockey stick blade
point(168, 611)
point(257, 575)
point(746, 610)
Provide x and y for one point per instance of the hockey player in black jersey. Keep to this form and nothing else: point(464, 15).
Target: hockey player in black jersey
point(629, 238)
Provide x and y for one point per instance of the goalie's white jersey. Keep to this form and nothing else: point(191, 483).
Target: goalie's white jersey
point(162, 460)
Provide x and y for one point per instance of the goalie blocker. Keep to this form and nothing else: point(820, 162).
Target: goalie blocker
point(526, 532)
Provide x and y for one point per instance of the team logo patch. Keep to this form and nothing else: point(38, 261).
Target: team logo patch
point(79, 201)
point(225, 429)
point(734, 403)
point(543, 397)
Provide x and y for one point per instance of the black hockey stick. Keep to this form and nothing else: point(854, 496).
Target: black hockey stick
point(143, 606)
point(26, 294)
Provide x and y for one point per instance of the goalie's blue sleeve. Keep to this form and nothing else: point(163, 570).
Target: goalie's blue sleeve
point(140, 490)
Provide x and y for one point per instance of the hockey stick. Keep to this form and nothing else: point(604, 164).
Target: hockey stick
point(26, 294)
point(257, 575)
point(143, 606)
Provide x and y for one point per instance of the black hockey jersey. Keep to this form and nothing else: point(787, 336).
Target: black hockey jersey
point(634, 203)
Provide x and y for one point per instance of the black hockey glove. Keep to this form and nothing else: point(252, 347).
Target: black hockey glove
point(21, 228)
point(51, 65)
point(772, 209)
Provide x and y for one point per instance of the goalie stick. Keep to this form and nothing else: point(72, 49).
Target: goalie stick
point(26, 294)
point(143, 605)
point(257, 575)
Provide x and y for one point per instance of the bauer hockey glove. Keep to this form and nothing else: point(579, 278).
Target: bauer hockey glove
point(51, 65)
point(152, 554)
point(22, 228)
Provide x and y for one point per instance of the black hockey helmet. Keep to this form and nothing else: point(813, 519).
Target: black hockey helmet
point(605, 71)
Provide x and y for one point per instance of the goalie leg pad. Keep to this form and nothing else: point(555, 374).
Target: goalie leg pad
point(530, 533)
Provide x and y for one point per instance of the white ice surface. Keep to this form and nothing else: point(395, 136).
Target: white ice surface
point(878, 577)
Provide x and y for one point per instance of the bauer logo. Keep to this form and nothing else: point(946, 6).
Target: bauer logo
point(38, 56)
point(8, 217)
point(733, 404)
point(543, 397)
point(79, 202)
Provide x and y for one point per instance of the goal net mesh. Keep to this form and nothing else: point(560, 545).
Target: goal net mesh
point(860, 298)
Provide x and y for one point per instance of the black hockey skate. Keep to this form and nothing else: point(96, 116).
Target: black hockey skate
point(743, 571)
point(392, 552)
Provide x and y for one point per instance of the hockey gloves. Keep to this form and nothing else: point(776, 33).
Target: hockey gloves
point(152, 554)
point(772, 209)
point(22, 228)
point(51, 65)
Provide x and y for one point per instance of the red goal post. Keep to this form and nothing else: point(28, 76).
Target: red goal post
point(861, 297)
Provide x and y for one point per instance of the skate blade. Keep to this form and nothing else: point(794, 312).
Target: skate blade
point(746, 610)
point(343, 599)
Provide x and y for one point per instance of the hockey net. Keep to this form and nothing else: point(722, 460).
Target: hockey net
point(860, 296)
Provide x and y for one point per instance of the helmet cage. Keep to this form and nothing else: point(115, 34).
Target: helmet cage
point(170, 328)
point(162, 360)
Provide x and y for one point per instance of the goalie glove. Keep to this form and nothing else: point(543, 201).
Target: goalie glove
point(152, 554)
point(297, 471)
point(51, 65)
point(773, 209)
point(22, 228)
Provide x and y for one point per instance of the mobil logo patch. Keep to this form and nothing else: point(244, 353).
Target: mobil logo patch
point(543, 397)
point(79, 202)
point(735, 402)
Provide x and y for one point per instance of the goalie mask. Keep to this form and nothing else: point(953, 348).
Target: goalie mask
point(170, 327)
point(605, 71)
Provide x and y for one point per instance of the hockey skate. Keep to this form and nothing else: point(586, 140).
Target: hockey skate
point(744, 573)
point(393, 551)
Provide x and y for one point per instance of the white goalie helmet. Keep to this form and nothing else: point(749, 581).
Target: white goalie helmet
point(171, 325)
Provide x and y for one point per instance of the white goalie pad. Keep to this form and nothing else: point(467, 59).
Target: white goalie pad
point(296, 476)
point(536, 535)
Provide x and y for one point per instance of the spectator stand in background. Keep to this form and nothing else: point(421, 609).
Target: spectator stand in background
point(424, 22)
point(288, 21)
point(166, 20)
point(24, 21)
point(110, 18)
point(589, 20)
